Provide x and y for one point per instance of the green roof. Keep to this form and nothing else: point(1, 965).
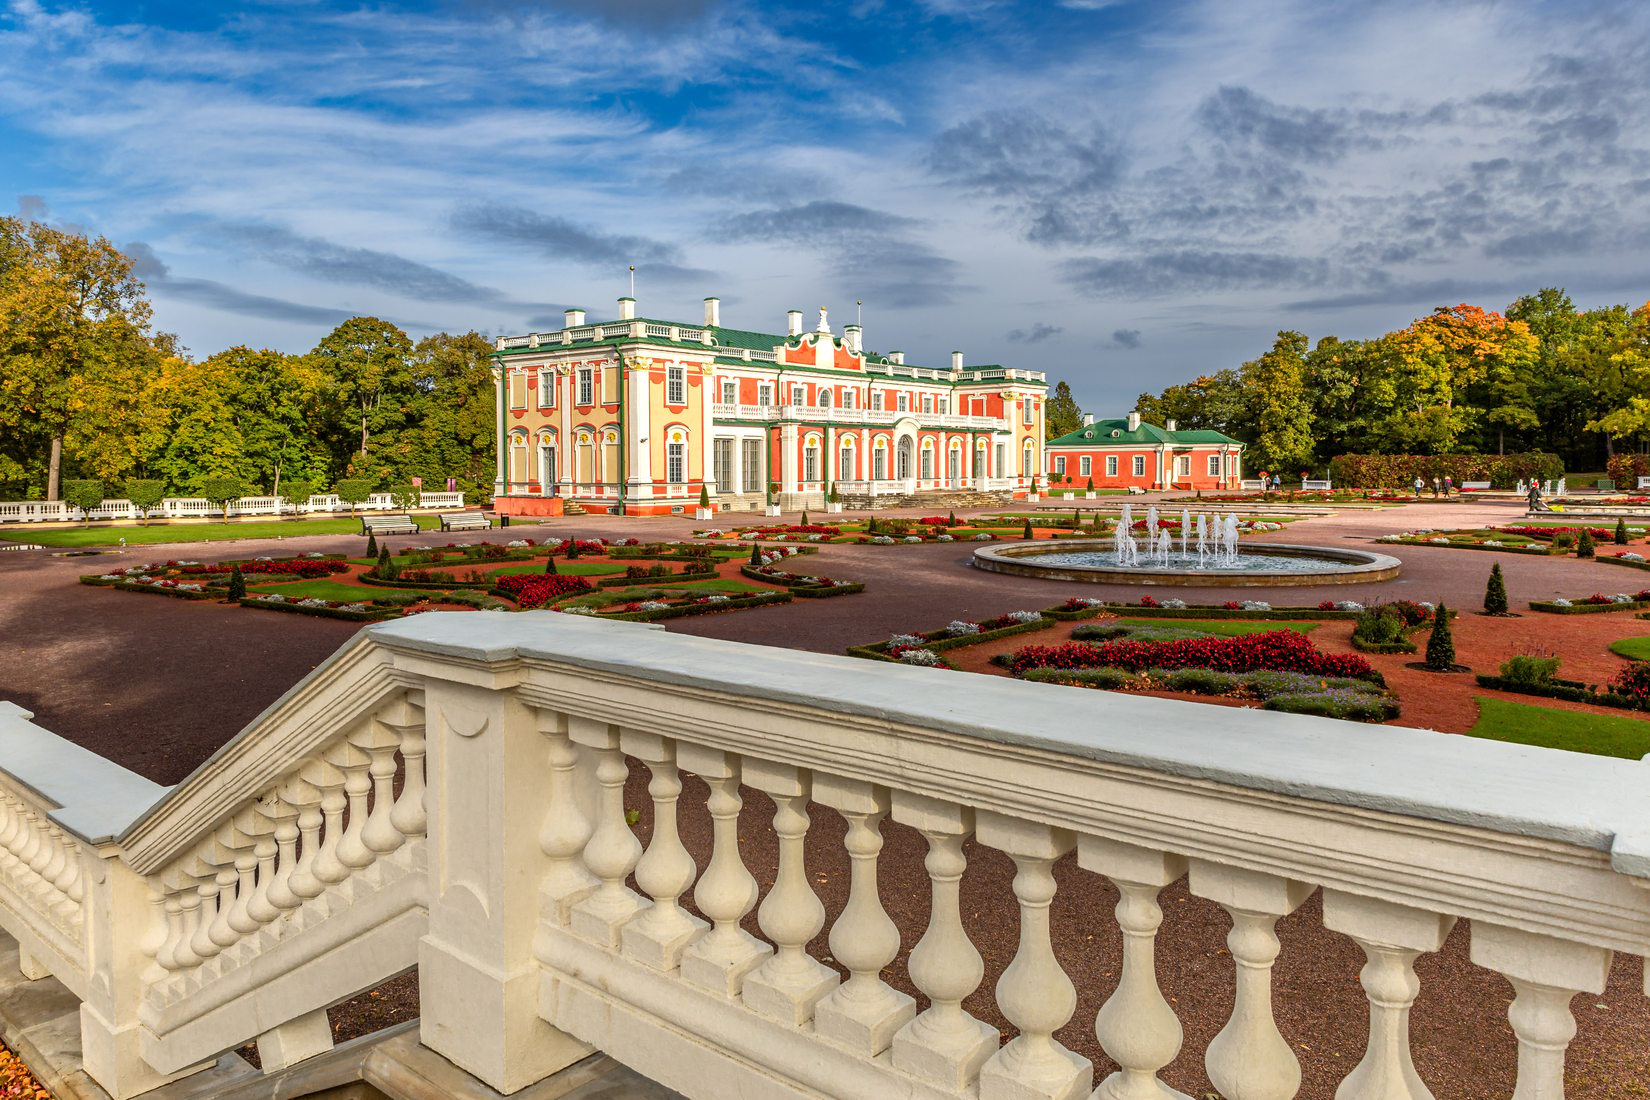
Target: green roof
point(1115, 432)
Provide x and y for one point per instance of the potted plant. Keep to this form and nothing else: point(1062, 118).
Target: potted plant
point(704, 511)
point(773, 503)
point(1071, 494)
point(1031, 491)
point(833, 500)
point(1088, 493)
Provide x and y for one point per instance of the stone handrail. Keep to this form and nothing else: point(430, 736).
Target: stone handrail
point(290, 870)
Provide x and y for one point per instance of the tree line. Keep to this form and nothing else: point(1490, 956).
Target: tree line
point(1543, 376)
point(90, 391)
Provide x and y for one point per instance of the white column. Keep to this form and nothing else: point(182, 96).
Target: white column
point(1545, 973)
point(1392, 936)
point(639, 426)
point(500, 443)
point(788, 458)
point(1249, 1059)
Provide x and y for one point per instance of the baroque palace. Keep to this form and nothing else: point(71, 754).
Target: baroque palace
point(634, 416)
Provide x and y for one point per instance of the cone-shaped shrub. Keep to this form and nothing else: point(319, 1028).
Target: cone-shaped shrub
point(1441, 646)
point(951, 518)
point(1026, 534)
point(237, 584)
point(756, 555)
point(1584, 544)
point(1076, 519)
point(804, 517)
point(572, 547)
point(372, 544)
point(1495, 592)
point(550, 566)
point(382, 569)
point(704, 496)
point(1621, 531)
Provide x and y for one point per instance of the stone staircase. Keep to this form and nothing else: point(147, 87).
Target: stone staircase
point(573, 508)
point(934, 500)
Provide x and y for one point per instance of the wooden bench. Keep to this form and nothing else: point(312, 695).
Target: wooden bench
point(465, 521)
point(1474, 486)
point(388, 525)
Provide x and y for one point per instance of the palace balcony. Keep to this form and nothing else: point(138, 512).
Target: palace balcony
point(448, 792)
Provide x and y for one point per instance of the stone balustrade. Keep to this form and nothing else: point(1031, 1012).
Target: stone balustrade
point(449, 791)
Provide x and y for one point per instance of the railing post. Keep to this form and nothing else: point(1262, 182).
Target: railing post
point(478, 978)
point(1545, 973)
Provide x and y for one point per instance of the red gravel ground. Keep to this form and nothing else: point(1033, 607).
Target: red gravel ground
point(158, 684)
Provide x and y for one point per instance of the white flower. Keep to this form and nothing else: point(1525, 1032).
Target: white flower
point(913, 538)
point(112, 577)
point(1442, 542)
point(983, 536)
point(925, 657)
point(716, 599)
point(1630, 556)
point(945, 538)
point(1427, 604)
point(272, 598)
point(1256, 605)
point(1534, 546)
point(1348, 605)
point(263, 559)
point(1561, 602)
point(357, 607)
point(189, 588)
point(577, 610)
point(516, 543)
point(957, 628)
point(312, 602)
point(816, 538)
point(314, 555)
point(1092, 603)
point(652, 605)
point(881, 540)
point(897, 640)
point(1025, 616)
point(1621, 597)
point(1173, 605)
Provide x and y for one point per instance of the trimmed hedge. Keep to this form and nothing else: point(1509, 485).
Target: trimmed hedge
point(379, 582)
point(1579, 608)
point(133, 586)
point(826, 591)
point(761, 599)
point(1209, 611)
point(369, 616)
point(1426, 540)
point(1573, 691)
point(1400, 471)
point(1612, 560)
point(939, 640)
point(663, 578)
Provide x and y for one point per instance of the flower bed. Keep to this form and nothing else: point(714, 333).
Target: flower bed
point(801, 584)
point(1274, 650)
point(532, 590)
point(363, 612)
point(958, 633)
point(308, 569)
point(1627, 558)
point(648, 611)
point(160, 586)
point(1288, 692)
point(1594, 604)
point(1625, 692)
point(1079, 608)
point(637, 574)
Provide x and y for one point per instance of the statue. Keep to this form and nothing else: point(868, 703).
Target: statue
point(824, 325)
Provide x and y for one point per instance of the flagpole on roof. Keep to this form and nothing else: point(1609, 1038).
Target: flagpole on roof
point(633, 280)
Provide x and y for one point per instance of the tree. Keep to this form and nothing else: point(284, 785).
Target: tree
point(145, 494)
point(237, 584)
point(1026, 534)
point(405, 496)
point(83, 494)
point(353, 491)
point(1495, 592)
point(385, 569)
point(1620, 537)
point(372, 544)
point(550, 566)
point(1629, 353)
point(756, 555)
point(1585, 547)
point(369, 386)
point(1061, 415)
point(1440, 645)
point(222, 490)
point(73, 319)
point(298, 491)
point(1282, 406)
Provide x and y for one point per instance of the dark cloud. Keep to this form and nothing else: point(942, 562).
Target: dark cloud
point(1126, 337)
point(559, 239)
point(1166, 272)
point(1420, 293)
point(154, 274)
point(812, 219)
point(335, 263)
point(1036, 334)
point(1237, 115)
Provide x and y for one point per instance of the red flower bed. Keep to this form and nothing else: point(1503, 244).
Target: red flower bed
point(309, 568)
point(585, 547)
point(1149, 601)
point(1633, 681)
point(799, 529)
point(1598, 533)
point(939, 521)
point(536, 589)
point(1275, 650)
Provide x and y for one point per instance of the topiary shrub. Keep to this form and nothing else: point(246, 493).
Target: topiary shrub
point(1584, 544)
point(237, 584)
point(550, 566)
point(756, 555)
point(572, 547)
point(83, 494)
point(385, 570)
point(704, 495)
point(1026, 534)
point(222, 490)
point(353, 491)
point(1620, 538)
point(1526, 669)
point(1563, 540)
point(145, 495)
point(1441, 645)
point(372, 544)
point(804, 517)
point(1495, 592)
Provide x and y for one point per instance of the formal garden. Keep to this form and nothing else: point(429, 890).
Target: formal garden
point(898, 531)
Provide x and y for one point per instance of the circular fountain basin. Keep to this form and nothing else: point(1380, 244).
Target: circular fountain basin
point(1259, 564)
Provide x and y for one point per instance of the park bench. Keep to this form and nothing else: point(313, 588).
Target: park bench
point(388, 525)
point(1474, 486)
point(465, 521)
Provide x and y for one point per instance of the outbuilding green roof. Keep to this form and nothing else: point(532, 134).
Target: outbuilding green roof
point(1117, 432)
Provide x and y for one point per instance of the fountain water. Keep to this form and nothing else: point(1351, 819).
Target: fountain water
point(1125, 550)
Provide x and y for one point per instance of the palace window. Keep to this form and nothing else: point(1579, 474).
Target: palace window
point(1139, 465)
point(1060, 465)
point(1183, 466)
point(845, 463)
point(927, 403)
point(587, 386)
point(750, 466)
point(518, 390)
point(810, 462)
point(1085, 466)
point(1028, 467)
point(824, 399)
point(1111, 465)
point(928, 462)
point(903, 402)
point(1026, 411)
point(1214, 465)
point(879, 464)
point(847, 399)
point(722, 455)
point(799, 395)
point(676, 462)
point(676, 385)
point(764, 393)
point(943, 405)
point(876, 400)
point(730, 392)
point(547, 388)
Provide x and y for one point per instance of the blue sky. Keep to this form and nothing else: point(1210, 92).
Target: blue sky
point(1125, 193)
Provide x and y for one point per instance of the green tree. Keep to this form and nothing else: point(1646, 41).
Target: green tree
point(353, 491)
point(1495, 592)
point(83, 494)
point(1585, 546)
point(1620, 536)
point(1061, 415)
point(237, 584)
point(364, 366)
point(405, 497)
point(145, 494)
point(1440, 645)
point(221, 489)
point(1282, 406)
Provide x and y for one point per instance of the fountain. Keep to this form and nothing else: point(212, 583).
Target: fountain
point(1214, 557)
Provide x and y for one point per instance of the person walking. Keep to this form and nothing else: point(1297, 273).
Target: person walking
point(1419, 485)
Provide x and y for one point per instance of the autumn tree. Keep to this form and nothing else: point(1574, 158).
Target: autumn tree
point(1062, 415)
point(1628, 354)
point(363, 363)
point(1281, 405)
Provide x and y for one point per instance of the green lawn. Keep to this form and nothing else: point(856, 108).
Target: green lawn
point(332, 590)
point(1225, 628)
point(1600, 734)
point(609, 597)
point(564, 568)
point(1634, 649)
point(192, 532)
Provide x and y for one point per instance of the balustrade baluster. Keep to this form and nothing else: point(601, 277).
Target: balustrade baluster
point(408, 814)
point(1136, 1027)
point(32, 852)
point(864, 1012)
point(1249, 1059)
point(228, 858)
point(172, 914)
point(71, 880)
point(305, 798)
point(944, 1044)
point(721, 959)
point(327, 779)
point(1545, 974)
point(612, 850)
point(154, 938)
point(54, 850)
point(352, 850)
point(1034, 993)
point(789, 983)
point(245, 841)
point(207, 889)
point(660, 934)
point(1392, 936)
point(262, 823)
point(189, 903)
point(565, 830)
point(378, 740)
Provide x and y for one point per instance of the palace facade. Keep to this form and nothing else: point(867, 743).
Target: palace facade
point(633, 416)
point(1131, 454)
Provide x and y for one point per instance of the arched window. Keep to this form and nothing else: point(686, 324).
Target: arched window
point(1029, 467)
point(676, 441)
point(927, 458)
point(903, 462)
point(548, 467)
point(824, 398)
point(846, 469)
point(954, 461)
point(810, 458)
point(879, 460)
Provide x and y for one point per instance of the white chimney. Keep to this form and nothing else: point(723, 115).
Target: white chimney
point(851, 337)
point(1134, 422)
point(956, 360)
point(713, 312)
point(1088, 419)
point(575, 318)
point(627, 309)
point(897, 357)
point(793, 322)
point(1168, 425)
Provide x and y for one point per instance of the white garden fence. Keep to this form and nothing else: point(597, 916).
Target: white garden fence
point(35, 511)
